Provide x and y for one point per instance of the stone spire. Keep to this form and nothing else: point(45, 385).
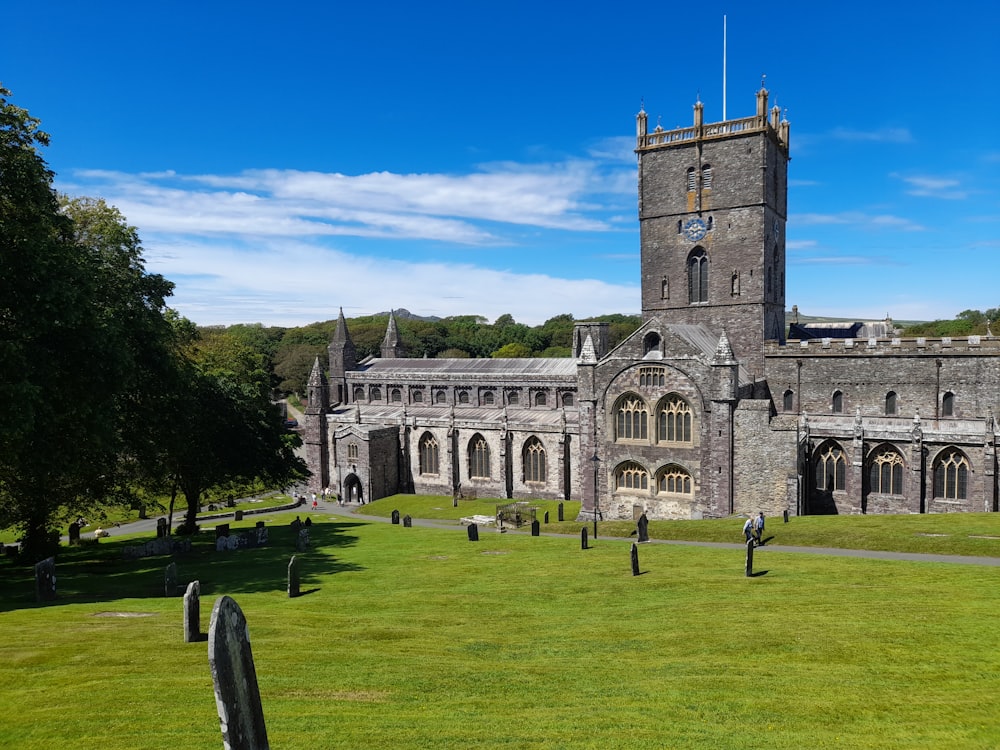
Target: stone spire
point(587, 353)
point(392, 347)
point(343, 359)
point(724, 352)
point(317, 390)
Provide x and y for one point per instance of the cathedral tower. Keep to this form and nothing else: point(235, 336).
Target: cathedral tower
point(712, 210)
point(343, 359)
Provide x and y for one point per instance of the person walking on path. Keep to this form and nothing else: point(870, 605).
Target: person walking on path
point(758, 528)
point(748, 529)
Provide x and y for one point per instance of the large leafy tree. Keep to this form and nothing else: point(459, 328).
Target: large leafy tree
point(78, 321)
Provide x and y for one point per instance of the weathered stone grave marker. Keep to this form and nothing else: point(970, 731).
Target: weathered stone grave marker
point(45, 580)
point(222, 530)
point(237, 696)
point(192, 612)
point(559, 513)
point(535, 528)
point(74, 534)
point(583, 538)
point(407, 521)
point(635, 559)
point(749, 558)
point(161, 528)
point(473, 532)
point(238, 515)
point(395, 517)
point(786, 515)
point(170, 580)
point(294, 582)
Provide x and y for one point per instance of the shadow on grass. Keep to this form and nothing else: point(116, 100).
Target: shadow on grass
point(758, 573)
point(100, 573)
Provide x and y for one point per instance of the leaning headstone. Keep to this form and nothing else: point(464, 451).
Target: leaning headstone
point(45, 580)
point(222, 530)
point(642, 526)
point(407, 521)
point(583, 538)
point(170, 580)
point(786, 515)
point(473, 532)
point(238, 515)
point(560, 513)
point(546, 517)
point(635, 559)
point(237, 696)
point(161, 528)
point(395, 517)
point(74, 533)
point(749, 558)
point(192, 612)
point(293, 577)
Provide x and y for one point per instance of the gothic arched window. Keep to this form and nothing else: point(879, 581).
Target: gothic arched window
point(418, 397)
point(396, 396)
point(838, 402)
point(831, 468)
point(376, 393)
point(885, 474)
point(890, 403)
point(951, 476)
point(788, 401)
point(439, 397)
point(706, 177)
point(534, 461)
point(359, 393)
point(675, 480)
point(540, 398)
point(463, 397)
point(673, 421)
point(488, 398)
point(631, 417)
point(567, 399)
point(692, 180)
point(429, 454)
point(631, 476)
point(479, 457)
point(697, 276)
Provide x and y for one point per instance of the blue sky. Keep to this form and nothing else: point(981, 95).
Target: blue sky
point(460, 158)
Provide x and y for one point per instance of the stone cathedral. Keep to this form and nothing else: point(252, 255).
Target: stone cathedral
point(708, 409)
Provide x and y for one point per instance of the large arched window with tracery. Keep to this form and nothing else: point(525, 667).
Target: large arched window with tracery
point(697, 276)
point(631, 418)
point(831, 468)
point(951, 475)
point(631, 476)
point(429, 454)
point(479, 457)
point(674, 480)
point(673, 420)
point(885, 472)
point(534, 461)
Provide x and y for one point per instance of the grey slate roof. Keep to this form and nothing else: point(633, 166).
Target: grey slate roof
point(560, 368)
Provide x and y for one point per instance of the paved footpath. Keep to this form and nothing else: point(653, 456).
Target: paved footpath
point(357, 511)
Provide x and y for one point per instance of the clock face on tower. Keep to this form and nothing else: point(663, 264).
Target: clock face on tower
point(694, 229)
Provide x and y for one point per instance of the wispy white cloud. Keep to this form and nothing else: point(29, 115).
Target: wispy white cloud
point(943, 188)
point(858, 220)
point(880, 135)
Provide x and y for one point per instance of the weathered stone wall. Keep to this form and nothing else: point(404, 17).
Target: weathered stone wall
point(764, 460)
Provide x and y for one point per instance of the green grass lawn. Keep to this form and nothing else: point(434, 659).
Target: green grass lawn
point(417, 638)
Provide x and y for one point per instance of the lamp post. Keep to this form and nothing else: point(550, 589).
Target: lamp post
point(596, 460)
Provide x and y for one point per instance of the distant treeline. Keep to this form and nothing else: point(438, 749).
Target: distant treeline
point(292, 351)
point(968, 323)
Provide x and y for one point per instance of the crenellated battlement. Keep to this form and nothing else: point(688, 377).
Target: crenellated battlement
point(943, 346)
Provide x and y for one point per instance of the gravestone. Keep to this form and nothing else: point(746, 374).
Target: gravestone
point(170, 580)
point(473, 532)
point(407, 521)
point(293, 577)
point(230, 503)
point(238, 515)
point(583, 538)
point(302, 541)
point(237, 696)
point(786, 515)
point(74, 533)
point(635, 558)
point(546, 518)
point(535, 528)
point(192, 612)
point(45, 580)
point(222, 530)
point(260, 524)
point(642, 526)
point(161, 528)
point(395, 517)
point(749, 558)
point(559, 514)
